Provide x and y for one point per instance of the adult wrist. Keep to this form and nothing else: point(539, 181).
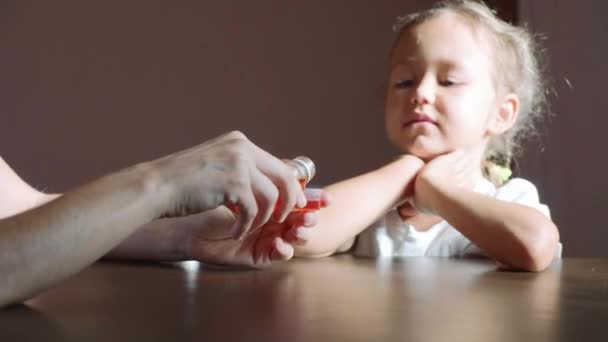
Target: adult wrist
point(156, 189)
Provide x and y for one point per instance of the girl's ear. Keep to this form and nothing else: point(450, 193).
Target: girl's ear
point(506, 115)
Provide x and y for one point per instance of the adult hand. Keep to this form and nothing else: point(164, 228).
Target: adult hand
point(271, 243)
point(228, 170)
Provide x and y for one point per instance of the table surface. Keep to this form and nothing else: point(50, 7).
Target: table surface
point(332, 299)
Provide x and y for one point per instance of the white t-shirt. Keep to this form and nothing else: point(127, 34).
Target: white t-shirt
point(390, 236)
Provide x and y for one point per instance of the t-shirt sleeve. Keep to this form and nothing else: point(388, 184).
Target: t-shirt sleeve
point(521, 191)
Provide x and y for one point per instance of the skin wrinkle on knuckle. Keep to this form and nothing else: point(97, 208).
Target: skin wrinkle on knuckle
point(241, 146)
point(236, 158)
point(236, 135)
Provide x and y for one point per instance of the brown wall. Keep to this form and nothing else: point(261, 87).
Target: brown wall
point(571, 169)
point(89, 87)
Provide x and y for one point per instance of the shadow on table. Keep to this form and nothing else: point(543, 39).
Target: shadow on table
point(19, 320)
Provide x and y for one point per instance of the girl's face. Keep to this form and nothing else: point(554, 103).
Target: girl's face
point(440, 95)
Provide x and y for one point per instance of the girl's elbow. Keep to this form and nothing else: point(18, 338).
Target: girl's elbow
point(535, 264)
point(541, 248)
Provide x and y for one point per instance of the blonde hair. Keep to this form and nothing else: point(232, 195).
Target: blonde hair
point(518, 69)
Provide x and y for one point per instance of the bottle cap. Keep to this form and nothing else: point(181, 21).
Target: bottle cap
point(305, 168)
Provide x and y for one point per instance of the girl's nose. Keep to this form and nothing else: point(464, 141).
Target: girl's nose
point(424, 93)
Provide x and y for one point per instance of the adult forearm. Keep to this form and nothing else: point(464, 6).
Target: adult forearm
point(41, 246)
point(44, 245)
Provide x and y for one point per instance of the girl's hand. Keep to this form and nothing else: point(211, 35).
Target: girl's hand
point(454, 169)
point(407, 211)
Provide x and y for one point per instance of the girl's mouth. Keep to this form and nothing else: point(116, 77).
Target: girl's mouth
point(419, 118)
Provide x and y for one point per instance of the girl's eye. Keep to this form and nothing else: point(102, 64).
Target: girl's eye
point(447, 83)
point(404, 84)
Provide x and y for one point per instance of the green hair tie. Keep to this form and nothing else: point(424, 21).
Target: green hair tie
point(503, 173)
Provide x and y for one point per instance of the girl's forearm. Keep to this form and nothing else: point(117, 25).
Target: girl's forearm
point(357, 203)
point(513, 234)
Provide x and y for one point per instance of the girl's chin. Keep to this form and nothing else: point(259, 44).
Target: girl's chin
point(425, 156)
point(424, 153)
point(422, 146)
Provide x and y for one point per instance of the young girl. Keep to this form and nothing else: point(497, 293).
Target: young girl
point(464, 87)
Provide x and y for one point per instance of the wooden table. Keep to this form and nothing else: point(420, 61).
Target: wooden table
point(332, 299)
